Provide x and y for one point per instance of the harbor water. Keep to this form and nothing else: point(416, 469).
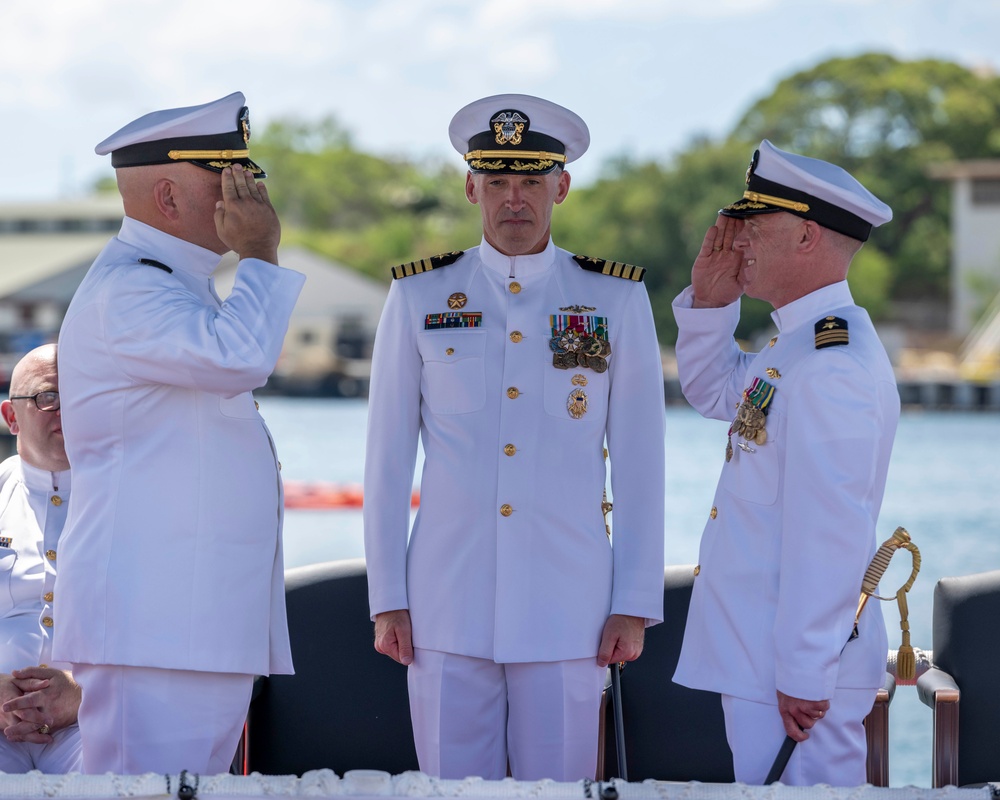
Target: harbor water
point(942, 487)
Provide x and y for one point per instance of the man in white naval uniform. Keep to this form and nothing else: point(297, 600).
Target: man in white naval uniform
point(40, 698)
point(771, 624)
point(171, 585)
point(514, 362)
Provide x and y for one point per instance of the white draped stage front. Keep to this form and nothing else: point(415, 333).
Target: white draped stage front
point(372, 784)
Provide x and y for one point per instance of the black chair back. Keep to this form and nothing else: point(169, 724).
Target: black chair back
point(671, 732)
point(347, 706)
point(967, 646)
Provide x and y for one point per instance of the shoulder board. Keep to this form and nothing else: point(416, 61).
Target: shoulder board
point(152, 262)
point(616, 268)
point(831, 332)
point(426, 264)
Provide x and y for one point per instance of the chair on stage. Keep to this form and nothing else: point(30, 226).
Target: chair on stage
point(675, 733)
point(671, 732)
point(966, 652)
point(346, 707)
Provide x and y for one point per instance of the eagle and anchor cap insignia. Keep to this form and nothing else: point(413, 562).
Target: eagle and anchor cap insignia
point(517, 134)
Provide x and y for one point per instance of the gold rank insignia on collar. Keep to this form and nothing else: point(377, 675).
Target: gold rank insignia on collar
point(831, 332)
point(616, 268)
point(426, 264)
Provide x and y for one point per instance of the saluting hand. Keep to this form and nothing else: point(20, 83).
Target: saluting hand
point(245, 219)
point(715, 276)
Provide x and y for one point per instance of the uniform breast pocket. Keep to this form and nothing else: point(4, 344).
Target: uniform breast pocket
point(576, 394)
point(453, 379)
point(753, 473)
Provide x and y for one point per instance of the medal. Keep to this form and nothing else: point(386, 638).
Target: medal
point(576, 403)
point(579, 341)
point(751, 417)
point(457, 301)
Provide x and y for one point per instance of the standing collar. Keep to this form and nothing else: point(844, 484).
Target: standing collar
point(171, 251)
point(43, 480)
point(811, 306)
point(517, 266)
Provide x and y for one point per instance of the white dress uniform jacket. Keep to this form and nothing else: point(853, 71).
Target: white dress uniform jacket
point(172, 552)
point(33, 505)
point(793, 525)
point(509, 558)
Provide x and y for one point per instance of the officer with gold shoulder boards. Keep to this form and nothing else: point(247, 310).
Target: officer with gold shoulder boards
point(515, 363)
point(792, 529)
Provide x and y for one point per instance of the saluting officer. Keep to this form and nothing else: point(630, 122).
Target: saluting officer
point(516, 363)
point(792, 529)
point(171, 581)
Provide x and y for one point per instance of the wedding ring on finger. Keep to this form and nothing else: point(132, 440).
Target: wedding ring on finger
point(716, 249)
point(44, 730)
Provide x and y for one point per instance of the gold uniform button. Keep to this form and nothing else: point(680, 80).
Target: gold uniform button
point(714, 512)
point(513, 393)
point(516, 336)
point(515, 287)
point(509, 449)
point(506, 510)
point(47, 597)
point(47, 622)
point(450, 351)
point(697, 570)
point(56, 500)
point(50, 555)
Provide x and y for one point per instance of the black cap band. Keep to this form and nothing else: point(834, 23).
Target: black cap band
point(767, 197)
point(213, 152)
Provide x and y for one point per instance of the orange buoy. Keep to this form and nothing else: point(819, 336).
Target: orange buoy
point(322, 495)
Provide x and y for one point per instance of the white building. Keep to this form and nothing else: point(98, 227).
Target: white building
point(975, 262)
point(47, 248)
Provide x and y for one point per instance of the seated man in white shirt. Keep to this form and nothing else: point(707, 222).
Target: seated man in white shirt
point(39, 698)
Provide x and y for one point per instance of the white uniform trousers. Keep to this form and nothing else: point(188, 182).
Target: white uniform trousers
point(835, 752)
point(472, 716)
point(61, 755)
point(135, 720)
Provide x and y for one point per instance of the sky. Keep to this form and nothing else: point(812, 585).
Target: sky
point(648, 76)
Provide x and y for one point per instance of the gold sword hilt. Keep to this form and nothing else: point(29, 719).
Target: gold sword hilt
point(900, 540)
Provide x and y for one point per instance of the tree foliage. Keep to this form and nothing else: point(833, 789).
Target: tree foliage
point(884, 120)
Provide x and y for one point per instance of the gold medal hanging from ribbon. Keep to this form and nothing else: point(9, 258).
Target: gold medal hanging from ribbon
point(751, 417)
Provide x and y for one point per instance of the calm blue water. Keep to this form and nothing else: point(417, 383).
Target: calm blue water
point(942, 488)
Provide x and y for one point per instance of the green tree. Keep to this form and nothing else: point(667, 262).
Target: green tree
point(885, 121)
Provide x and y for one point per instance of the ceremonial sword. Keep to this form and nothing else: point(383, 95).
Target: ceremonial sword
point(906, 660)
